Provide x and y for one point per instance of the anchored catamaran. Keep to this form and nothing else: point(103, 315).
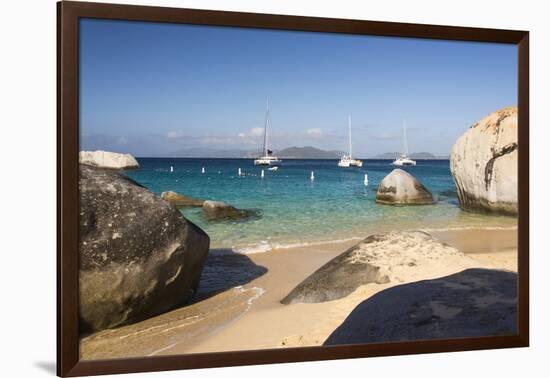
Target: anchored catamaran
point(404, 159)
point(267, 158)
point(347, 160)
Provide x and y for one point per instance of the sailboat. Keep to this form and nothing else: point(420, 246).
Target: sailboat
point(267, 158)
point(404, 159)
point(347, 160)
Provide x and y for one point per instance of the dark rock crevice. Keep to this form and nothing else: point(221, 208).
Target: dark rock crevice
point(489, 166)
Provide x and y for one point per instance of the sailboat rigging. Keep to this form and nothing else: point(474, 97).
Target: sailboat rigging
point(404, 159)
point(347, 160)
point(267, 157)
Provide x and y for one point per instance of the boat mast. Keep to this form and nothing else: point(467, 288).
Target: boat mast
point(405, 144)
point(266, 123)
point(349, 126)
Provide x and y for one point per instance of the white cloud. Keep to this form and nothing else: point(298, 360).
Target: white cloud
point(257, 131)
point(314, 131)
point(254, 132)
point(217, 139)
point(251, 137)
point(175, 134)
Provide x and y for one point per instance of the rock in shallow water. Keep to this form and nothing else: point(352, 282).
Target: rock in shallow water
point(110, 160)
point(139, 256)
point(402, 188)
point(220, 211)
point(475, 302)
point(180, 200)
point(484, 164)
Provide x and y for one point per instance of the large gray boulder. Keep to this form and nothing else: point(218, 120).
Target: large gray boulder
point(472, 303)
point(110, 160)
point(381, 258)
point(402, 188)
point(139, 256)
point(220, 211)
point(484, 164)
point(180, 200)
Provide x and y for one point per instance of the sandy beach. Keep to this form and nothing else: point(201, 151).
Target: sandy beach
point(250, 316)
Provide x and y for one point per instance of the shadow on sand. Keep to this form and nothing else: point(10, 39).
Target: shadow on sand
point(474, 302)
point(225, 269)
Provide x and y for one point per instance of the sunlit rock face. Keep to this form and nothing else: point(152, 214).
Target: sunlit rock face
point(402, 188)
point(484, 164)
point(110, 160)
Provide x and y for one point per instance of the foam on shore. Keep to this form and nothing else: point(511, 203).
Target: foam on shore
point(267, 245)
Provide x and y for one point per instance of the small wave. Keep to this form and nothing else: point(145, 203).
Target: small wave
point(260, 247)
point(258, 293)
point(466, 228)
point(265, 246)
point(252, 293)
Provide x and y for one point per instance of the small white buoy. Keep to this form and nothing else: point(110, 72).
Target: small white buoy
point(240, 172)
point(366, 180)
point(312, 177)
point(202, 170)
point(262, 175)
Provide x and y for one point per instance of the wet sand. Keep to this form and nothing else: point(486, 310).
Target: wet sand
point(251, 316)
point(479, 241)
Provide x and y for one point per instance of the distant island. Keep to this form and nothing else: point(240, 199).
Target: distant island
point(414, 155)
point(306, 152)
point(198, 152)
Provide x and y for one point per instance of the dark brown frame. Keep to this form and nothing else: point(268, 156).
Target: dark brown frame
point(68, 14)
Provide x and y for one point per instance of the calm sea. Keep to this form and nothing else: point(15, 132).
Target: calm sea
point(294, 210)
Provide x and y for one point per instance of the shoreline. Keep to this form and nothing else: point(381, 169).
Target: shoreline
point(445, 234)
point(219, 322)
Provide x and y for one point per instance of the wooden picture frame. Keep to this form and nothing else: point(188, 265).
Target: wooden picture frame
point(69, 13)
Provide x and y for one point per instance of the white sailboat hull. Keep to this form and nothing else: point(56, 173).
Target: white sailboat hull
point(400, 162)
point(347, 162)
point(267, 161)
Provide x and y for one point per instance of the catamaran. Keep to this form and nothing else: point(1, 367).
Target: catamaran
point(404, 159)
point(267, 158)
point(347, 160)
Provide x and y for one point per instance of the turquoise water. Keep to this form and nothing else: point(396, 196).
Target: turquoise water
point(295, 210)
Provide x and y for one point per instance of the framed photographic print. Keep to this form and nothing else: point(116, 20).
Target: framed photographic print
point(239, 188)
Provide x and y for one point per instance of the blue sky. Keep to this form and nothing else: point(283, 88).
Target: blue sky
point(150, 89)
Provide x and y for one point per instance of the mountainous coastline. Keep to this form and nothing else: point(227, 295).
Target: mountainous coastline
point(199, 152)
point(306, 152)
point(414, 155)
